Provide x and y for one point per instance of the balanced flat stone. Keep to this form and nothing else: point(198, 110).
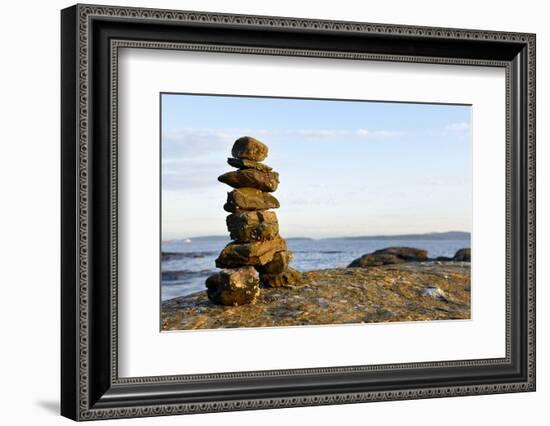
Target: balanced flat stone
point(243, 199)
point(241, 163)
point(278, 264)
point(251, 178)
point(233, 287)
point(254, 230)
point(252, 226)
point(288, 277)
point(249, 148)
point(254, 254)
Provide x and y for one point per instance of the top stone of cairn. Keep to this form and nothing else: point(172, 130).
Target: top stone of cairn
point(249, 148)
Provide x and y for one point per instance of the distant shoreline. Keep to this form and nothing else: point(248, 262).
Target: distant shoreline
point(430, 236)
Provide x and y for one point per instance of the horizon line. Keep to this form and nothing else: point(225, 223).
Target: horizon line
point(420, 234)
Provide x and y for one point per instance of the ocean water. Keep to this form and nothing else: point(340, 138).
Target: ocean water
point(193, 261)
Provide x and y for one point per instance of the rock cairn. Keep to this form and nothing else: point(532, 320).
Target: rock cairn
point(257, 254)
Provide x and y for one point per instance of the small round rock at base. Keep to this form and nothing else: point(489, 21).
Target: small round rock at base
point(234, 287)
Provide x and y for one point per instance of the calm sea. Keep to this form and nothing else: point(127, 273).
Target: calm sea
point(186, 272)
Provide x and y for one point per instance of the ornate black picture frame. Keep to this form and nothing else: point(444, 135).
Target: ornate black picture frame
point(91, 37)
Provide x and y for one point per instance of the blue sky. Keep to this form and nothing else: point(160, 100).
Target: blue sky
point(346, 168)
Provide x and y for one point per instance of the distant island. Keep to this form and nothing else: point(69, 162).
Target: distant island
point(450, 235)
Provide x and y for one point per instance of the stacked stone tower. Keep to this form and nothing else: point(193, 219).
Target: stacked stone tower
point(257, 254)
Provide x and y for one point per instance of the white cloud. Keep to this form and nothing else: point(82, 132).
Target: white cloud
point(192, 156)
point(458, 127)
point(342, 133)
point(197, 141)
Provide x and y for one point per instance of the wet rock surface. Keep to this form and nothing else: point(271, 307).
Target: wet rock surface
point(414, 291)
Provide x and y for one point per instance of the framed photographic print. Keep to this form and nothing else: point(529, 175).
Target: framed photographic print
point(263, 212)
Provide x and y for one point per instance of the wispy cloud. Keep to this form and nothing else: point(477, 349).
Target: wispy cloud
point(458, 127)
point(201, 140)
point(360, 133)
point(191, 156)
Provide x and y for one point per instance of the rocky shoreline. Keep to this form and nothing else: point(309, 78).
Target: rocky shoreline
point(409, 290)
point(257, 287)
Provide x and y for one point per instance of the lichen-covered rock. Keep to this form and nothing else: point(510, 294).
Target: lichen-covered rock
point(249, 148)
point(277, 265)
point(287, 277)
point(257, 253)
point(390, 256)
point(252, 226)
point(463, 255)
point(338, 296)
point(251, 178)
point(243, 199)
point(242, 163)
point(233, 287)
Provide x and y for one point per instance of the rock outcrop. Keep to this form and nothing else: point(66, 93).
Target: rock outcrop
point(395, 255)
point(390, 256)
point(411, 291)
point(257, 254)
point(462, 255)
